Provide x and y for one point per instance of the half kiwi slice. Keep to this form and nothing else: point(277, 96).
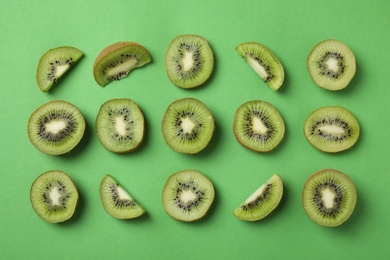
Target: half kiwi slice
point(258, 126)
point(189, 61)
point(187, 125)
point(117, 60)
point(54, 63)
point(56, 127)
point(332, 129)
point(54, 196)
point(329, 197)
point(331, 65)
point(263, 62)
point(120, 125)
point(262, 202)
point(187, 195)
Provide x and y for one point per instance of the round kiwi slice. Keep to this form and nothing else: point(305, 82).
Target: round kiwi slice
point(117, 201)
point(258, 126)
point(56, 127)
point(54, 63)
point(54, 196)
point(120, 125)
point(331, 65)
point(189, 61)
point(262, 202)
point(332, 129)
point(187, 195)
point(117, 60)
point(263, 62)
point(329, 197)
point(187, 126)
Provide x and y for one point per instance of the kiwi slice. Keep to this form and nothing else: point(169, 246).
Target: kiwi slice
point(329, 197)
point(56, 127)
point(332, 129)
point(54, 196)
point(120, 125)
point(262, 202)
point(117, 201)
point(117, 60)
point(263, 62)
point(189, 61)
point(188, 195)
point(331, 65)
point(258, 126)
point(187, 126)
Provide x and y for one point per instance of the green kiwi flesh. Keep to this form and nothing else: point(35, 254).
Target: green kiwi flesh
point(56, 127)
point(329, 197)
point(258, 126)
point(263, 62)
point(120, 125)
point(332, 129)
point(54, 196)
point(54, 63)
point(117, 201)
point(189, 61)
point(117, 60)
point(331, 65)
point(188, 195)
point(187, 126)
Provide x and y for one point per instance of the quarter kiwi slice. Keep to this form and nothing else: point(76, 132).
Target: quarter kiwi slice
point(117, 201)
point(54, 196)
point(258, 126)
point(262, 202)
point(329, 197)
point(263, 62)
point(54, 63)
point(189, 61)
point(117, 60)
point(332, 129)
point(188, 195)
point(56, 127)
point(331, 65)
point(120, 125)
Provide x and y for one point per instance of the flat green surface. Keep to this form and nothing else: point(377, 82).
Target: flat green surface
point(290, 29)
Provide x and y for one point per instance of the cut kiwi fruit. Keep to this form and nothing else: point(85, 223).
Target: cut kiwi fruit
point(120, 125)
point(329, 197)
point(188, 195)
point(56, 127)
point(258, 126)
point(117, 60)
point(331, 65)
point(117, 201)
point(189, 61)
point(187, 126)
point(332, 129)
point(54, 63)
point(54, 196)
point(263, 62)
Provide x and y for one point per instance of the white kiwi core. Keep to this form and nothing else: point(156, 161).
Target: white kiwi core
point(187, 195)
point(55, 196)
point(187, 125)
point(333, 129)
point(61, 69)
point(256, 194)
point(332, 64)
point(55, 126)
point(258, 125)
point(120, 125)
point(187, 61)
point(328, 198)
point(122, 194)
point(123, 67)
point(258, 68)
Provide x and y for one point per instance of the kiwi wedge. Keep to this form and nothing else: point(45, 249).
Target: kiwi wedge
point(117, 201)
point(258, 126)
point(120, 125)
point(331, 65)
point(188, 195)
point(117, 60)
point(54, 196)
point(56, 127)
point(189, 61)
point(332, 129)
point(263, 62)
point(187, 125)
point(329, 197)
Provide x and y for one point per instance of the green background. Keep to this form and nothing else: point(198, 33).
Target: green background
point(290, 29)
